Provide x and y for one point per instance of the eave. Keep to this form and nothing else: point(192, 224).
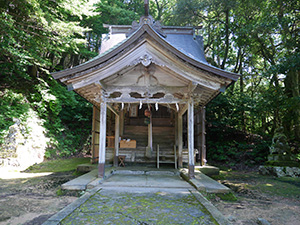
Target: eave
point(90, 65)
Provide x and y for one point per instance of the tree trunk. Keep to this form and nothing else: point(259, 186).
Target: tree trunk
point(292, 84)
point(226, 38)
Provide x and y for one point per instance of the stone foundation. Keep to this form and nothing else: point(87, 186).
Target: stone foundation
point(280, 171)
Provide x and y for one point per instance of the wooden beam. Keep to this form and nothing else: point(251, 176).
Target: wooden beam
point(198, 132)
point(203, 144)
point(157, 156)
point(183, 110)
point(94, 132)
point(112, 109)
point(167, 99)
point(70, 87)
point(149, 89)
point(122, 122)
point(176, 128)
point(102, 85)
point(180, 141)
point(191, 138)
point(102, 140)
point(117, 135)
point(223, 88)
point(175, 156)
point(150, 134)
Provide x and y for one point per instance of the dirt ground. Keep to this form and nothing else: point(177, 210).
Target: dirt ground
point(32, 200)
point(275, 200)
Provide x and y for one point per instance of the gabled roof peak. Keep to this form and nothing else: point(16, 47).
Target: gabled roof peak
point(149, 21)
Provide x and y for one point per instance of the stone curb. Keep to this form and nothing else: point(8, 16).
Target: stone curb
point(200, 184)
point(150, 172)
point(197, 185)
point(215, 213)
point(62, 214)
point(92, 188)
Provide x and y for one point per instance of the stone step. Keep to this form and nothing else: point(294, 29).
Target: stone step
point(80, 183)
point(204, 183)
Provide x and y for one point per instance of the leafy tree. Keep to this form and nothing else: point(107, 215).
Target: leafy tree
point(260, 41)
point(37, 37)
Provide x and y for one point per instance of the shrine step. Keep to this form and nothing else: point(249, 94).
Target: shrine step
point(204, 183)
point(86, 181)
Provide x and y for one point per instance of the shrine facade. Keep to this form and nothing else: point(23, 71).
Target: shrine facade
point(144, 86)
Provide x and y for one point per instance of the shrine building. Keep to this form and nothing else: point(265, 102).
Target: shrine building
point(145, 85)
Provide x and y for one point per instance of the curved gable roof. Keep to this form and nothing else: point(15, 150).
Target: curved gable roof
point(182, 45)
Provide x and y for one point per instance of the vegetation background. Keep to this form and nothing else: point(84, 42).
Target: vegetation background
point(257, 39)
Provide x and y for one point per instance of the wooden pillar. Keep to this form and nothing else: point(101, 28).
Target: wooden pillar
point(121, 123)
point(117, 135)
point(102, 140)
point(176, 128)
point(95, 135)
point(180, 142)
point(198, 134)
point(150, 135)
point(93, 150)
point(202, 135)
point(191, 138)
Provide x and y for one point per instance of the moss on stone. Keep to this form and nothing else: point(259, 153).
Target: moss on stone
point(283, 163)
point(58, 165)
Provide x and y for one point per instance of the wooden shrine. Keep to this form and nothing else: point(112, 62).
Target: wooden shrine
point(144, 86)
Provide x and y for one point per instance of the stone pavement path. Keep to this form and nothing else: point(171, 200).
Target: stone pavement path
point(142, 199)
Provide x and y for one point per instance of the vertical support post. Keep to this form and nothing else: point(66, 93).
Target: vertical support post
point(102, 140)
point(180, 141)
point(150, 136)
point(176, 128)
point(191, 138)
point(203, 133)
point(117, 135)
point(198, 134)
point(157, 156)
point(121, 123)
point(93, 150)
point(175, 156)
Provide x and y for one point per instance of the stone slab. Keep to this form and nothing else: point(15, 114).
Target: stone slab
point(208, 170)
point(62, 214)
point(204, 183)
point(80, 183)
point(114, 191)
point(116, 206)
point(87, 167)
point(216, 214)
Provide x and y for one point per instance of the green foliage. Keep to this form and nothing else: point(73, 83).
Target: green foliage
point(58, 165)
point(283, 163)
point(259, 40)
point(229, 146)
point(12, 105)
point(229, 197)
point(284, 186)
point(37, 37)
point(238, 181)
